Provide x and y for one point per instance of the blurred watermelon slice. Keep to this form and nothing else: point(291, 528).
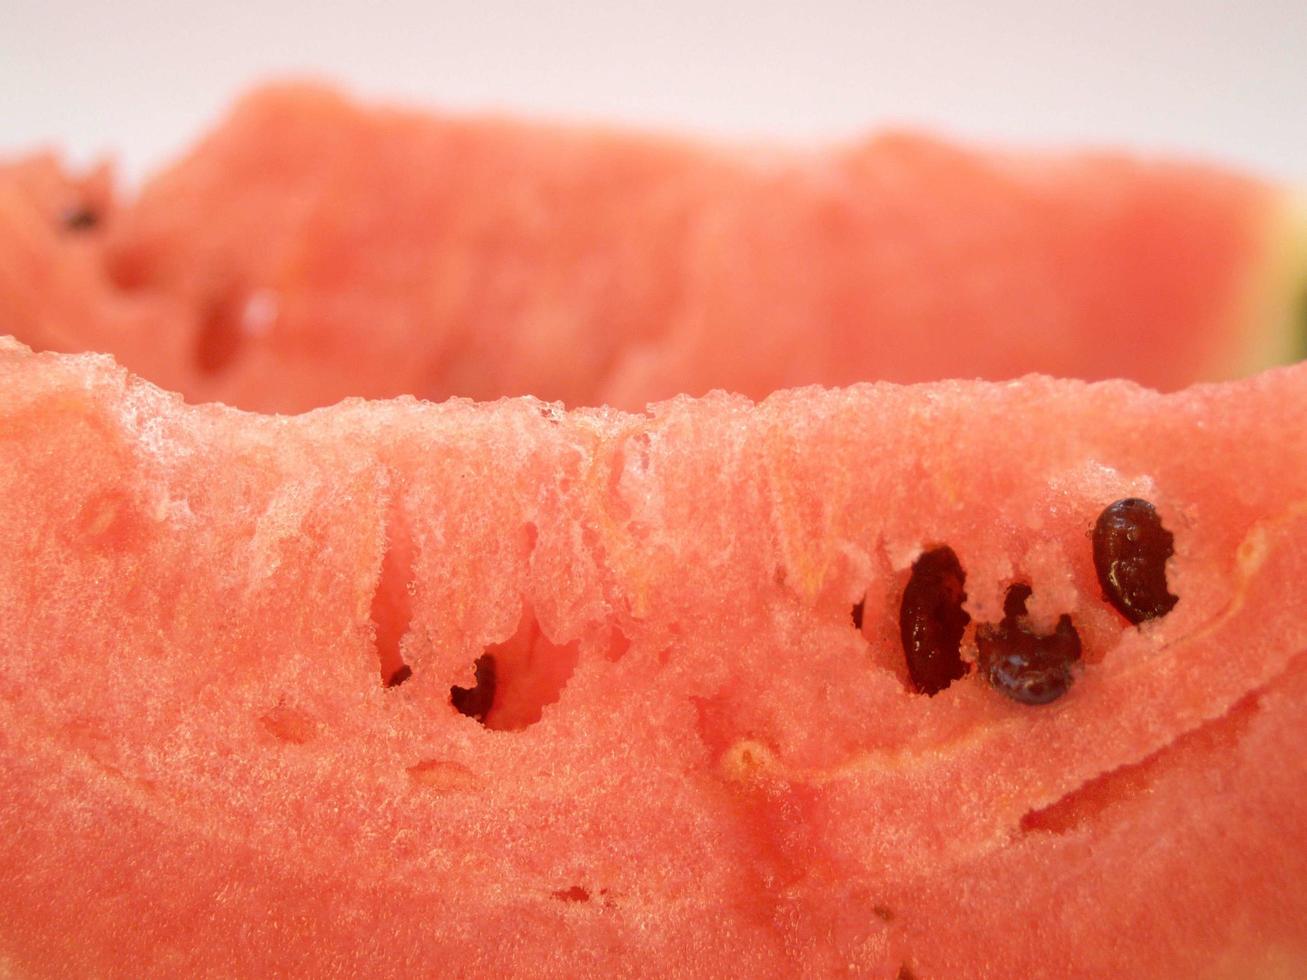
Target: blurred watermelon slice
point(310, 249)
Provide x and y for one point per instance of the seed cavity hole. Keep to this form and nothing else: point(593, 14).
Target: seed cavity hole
point(477, 700)
point(290, 725)
point(515, 680)
point(574, 894)
point(392, 603)
point(443, 776)
point(110, 521)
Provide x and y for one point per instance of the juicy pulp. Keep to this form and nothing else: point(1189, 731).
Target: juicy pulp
point(725, 777)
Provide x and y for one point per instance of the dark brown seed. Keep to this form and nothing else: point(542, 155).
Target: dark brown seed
point(1024, 665)
point(399, 676)
point(476, 701)
point(79, 217)
point(931, 621)
point(857, 614)
point(1130, 551)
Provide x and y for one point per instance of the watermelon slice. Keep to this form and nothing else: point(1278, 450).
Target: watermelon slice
point(248, 724)
point(311, 249)
point(961, 679)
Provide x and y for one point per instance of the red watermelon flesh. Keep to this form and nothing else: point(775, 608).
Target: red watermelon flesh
point(694, 764)
point(55, 293)
point(311, 249)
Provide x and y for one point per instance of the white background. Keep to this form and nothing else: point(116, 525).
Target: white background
point(1224, 81)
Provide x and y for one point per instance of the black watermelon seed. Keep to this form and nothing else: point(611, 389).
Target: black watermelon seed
point(1130, 551)
point(1024, 665)
point(79, 217)
point(931, 621)
point(857, 614)
point(476, 701)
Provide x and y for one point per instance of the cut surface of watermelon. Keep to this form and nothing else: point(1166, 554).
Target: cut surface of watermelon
point(396, 689)
point(311, 249)
point(692, 762)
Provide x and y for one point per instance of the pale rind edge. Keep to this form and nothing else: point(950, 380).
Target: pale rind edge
point(1274, 305)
